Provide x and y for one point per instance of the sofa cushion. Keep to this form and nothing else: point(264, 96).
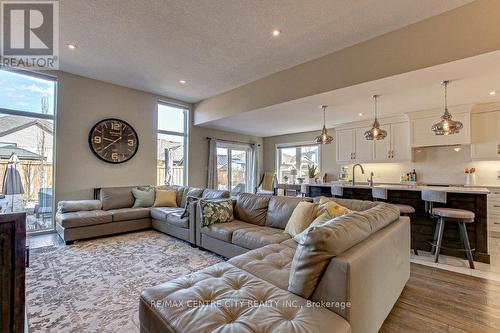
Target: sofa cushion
point(224, 299)
point(322, 243)
point(160, 213)
point(251, 208)
point(280, 209)
point(209, 193)
point(67, 206)
point(193, 192)
point(290, 243)
point(319, 221)
point(176, 219)
point(143, 197)
point(83, 218)
point(216, 211)
point(270, 263)
point(253, 238)
point(352, 204)
point(302, 216)
point(224, 231)
point(178, 189)
point(125, 214)
point(114, 198)
point(165, 198)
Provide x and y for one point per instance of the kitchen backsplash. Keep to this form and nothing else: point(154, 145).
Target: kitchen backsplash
point(435, 165)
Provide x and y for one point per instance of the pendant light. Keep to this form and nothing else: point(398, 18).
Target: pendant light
point(375, 133)
point(324, 138)
point(446, 126)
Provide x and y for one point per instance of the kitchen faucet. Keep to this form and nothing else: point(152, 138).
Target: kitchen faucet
point(353, 174)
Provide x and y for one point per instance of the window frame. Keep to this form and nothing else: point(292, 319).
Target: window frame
point(298, 154)
point(185, 135)
point(248, 154)
point(53, 117)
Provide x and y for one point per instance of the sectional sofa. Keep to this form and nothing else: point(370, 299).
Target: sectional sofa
point(112, 212)
point(344, 276)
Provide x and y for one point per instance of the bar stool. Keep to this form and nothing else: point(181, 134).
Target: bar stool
point(459, 216)
point(379, 193)
point(337, 191)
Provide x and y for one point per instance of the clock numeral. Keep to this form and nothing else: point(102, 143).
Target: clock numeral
point(130, 142)
point(97, 139)
point(114, 156)
point(115, 126)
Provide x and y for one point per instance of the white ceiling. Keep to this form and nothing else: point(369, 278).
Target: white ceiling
point(472, 80)
point(218, 45)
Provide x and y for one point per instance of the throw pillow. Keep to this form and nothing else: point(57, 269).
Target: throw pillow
point(166, 198)
point(143, 197)
point(216, 211)
point(189, 200)
point(332, 208)
point(301, 218)
point(319, 221)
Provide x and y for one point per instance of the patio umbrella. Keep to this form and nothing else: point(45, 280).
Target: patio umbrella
point(12, 183)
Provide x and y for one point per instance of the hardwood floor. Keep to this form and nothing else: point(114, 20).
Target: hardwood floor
point(435, 300)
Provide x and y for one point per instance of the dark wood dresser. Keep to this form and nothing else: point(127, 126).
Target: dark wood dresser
point(12, 271)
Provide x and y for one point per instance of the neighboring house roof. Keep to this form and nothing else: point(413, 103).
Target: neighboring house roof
point(6, 150)
point(176, 150)
point(12, 124)
point(238, 159)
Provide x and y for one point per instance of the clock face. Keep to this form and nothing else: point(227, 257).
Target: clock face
point(113, 141)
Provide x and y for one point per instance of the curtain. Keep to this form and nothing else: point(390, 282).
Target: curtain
point(212, 165)
point(254, 170)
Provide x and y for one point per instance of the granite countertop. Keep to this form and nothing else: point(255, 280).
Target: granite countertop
point(402, 187)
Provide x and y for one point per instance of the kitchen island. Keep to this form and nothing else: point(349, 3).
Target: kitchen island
point(422, 226)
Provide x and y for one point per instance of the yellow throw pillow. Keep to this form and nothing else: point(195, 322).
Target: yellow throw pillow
point(165, 198)
point(301, 218)
point(332, 208)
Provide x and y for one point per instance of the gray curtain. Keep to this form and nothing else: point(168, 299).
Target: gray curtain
point(254, 171)
point(212, 164)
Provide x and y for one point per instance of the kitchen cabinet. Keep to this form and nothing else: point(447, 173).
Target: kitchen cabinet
point(485, 135)
point(352, 147)
point(494, 210)
point(396, 146)
point(421, 123)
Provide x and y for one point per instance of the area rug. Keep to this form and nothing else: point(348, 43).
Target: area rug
point(94, 286)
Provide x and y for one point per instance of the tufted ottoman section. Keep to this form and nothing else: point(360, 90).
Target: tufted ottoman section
point(223, 298)
point(271, 263)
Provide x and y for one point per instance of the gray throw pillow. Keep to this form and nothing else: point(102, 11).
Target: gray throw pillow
point(143, 197)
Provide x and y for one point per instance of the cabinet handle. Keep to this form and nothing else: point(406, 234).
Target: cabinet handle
point(496, 223)
point(498, 149)
point(497, 206)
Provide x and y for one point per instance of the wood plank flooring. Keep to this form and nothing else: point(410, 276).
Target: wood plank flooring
point(435, 300)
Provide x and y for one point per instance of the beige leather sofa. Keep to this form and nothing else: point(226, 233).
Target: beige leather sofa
point(111, 212)
point(344, 280)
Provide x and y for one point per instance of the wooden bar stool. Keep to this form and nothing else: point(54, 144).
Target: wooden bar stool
point(459, 216)
point(405, 210)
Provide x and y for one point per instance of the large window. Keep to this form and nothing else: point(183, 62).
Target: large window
point(27, 108)
point(172, 145)
point(233, 168)
point(293, 160)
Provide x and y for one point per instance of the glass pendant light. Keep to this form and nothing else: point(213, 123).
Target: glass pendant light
point(324, 138)
point(446, 126)
point(375, 133)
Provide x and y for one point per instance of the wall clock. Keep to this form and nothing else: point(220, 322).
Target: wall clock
point(113, 140)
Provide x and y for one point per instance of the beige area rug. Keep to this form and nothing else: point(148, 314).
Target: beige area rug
point(94, 286)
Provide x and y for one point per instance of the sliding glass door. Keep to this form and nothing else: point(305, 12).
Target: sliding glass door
point(233, 168)
point(27, 132)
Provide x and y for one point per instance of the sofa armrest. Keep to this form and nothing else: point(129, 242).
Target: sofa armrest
point(368, 277)
point(192, 208)
point(67, 206)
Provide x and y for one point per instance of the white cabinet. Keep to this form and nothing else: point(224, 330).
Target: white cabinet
point(485, 135)
point(421, 123)
point(353, 147)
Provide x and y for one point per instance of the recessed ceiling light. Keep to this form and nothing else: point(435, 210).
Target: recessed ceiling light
point(72, 46)
point(360, 114)
point(492, 93)
point(276, 32)
point(182, 81)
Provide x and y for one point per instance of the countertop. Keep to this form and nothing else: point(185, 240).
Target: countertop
point(402, 187)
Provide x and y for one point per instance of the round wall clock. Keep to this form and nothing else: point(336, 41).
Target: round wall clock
point(113, 140)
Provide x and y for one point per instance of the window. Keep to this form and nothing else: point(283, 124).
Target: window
point(27, 109)
point(233, 168)
point(293, 160)
point(172, 145)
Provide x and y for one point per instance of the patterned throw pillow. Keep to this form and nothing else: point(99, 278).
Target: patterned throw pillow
point(216, 211)
point(331, 208)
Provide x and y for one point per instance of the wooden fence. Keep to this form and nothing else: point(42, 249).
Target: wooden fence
point(34, 176)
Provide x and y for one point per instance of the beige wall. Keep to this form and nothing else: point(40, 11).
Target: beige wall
point(82, 102)
point(466, 31)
